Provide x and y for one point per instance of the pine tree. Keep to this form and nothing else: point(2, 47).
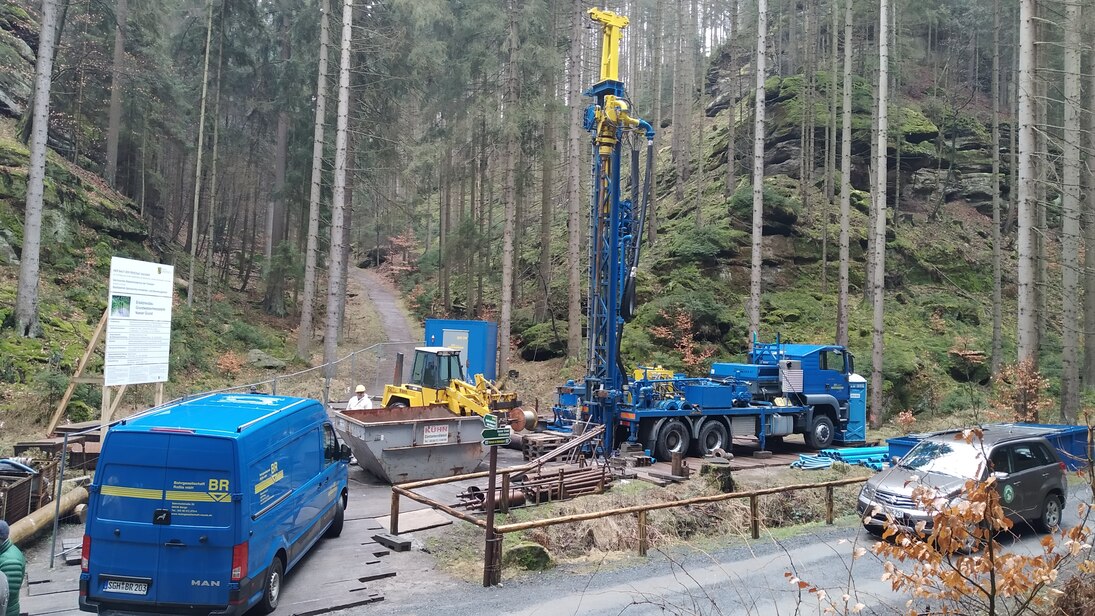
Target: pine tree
point(758, 170)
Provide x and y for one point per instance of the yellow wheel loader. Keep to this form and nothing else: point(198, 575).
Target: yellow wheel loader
point(438, 378)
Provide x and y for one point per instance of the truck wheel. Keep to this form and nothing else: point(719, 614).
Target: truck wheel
point(672, 438)
point(335, 529)
point(821, 433)
point(713, 435)
point(271, 587)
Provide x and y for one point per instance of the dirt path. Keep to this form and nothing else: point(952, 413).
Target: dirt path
point(385, 299)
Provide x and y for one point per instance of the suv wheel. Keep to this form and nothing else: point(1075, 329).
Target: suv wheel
point(1051, 514)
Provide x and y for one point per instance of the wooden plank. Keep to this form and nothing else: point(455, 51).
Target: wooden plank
point(91, 379)
point(95, 337)
point(412, 521)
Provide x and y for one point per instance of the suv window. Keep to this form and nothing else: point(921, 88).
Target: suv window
point(1024, 457)
point(1001, 461)
point(1045, 458)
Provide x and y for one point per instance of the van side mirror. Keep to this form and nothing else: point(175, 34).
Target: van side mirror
point(345, 453)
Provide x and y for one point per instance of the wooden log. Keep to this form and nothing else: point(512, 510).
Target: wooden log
point(27, 528)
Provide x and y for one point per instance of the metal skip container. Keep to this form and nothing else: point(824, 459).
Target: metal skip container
point(412, 443)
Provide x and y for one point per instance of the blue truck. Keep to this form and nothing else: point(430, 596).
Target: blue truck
point(202, 506)
point(782, 389)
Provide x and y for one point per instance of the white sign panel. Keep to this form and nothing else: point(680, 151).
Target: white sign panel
point(435, 435)
point(138, 334)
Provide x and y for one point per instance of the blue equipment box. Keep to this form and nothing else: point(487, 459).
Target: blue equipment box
point(477, 342)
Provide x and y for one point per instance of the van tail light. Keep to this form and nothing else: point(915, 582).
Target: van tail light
point(239, 561)
point(85, 553)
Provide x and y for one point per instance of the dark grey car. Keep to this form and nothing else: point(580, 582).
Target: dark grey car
point(1029, 475)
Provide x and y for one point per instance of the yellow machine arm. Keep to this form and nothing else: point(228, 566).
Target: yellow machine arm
point(615, 111)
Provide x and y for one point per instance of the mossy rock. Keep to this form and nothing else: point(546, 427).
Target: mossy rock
point(914, 126)
point(529, 556)
point(542, 341)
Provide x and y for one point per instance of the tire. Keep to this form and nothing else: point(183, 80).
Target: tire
point(335, 529)
point(673, 437)
point(397, 403)
point(271, 587)
point(713, 435)
point(1050, 518)
point(821, 433)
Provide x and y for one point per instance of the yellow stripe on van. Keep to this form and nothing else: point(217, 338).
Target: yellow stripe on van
point(269, 481)
point(124, 492)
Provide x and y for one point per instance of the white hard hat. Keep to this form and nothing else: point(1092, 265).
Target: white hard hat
point(360, 389)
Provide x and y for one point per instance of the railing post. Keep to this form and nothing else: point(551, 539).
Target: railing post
point(829, 505)
point(395, 513)
point(274, 387)
point(644, 543)
point(505, 493)
point(754, 517)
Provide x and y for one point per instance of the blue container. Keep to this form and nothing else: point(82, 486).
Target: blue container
point(901, 445)
point(1069, 441)
point(856, 429)
point(477, 342)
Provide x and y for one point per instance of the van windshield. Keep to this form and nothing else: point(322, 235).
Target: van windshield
point(954, 458)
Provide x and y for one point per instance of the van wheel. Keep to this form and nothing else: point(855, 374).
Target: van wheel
point(271, 587)
point(1051, 514)
point(672, 438)
point(821, 434)
point(335, 529)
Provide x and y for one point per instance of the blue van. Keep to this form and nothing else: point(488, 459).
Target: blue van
point(202, 506)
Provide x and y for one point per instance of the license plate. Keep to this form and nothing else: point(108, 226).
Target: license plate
point(126, 588)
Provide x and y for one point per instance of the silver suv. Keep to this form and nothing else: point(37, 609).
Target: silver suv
point(1030, 477)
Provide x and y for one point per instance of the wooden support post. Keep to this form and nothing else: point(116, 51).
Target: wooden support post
point(644, 543)
point(754, 517)
point(104, 412)
point(829, 505)
point(562, 493)
point(505, 493)
point(159, 394)
point(395, 514)
point(678, 464)
point(95, 337)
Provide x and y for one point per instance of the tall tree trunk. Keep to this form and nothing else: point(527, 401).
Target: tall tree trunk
point(880, 217)
point(26, 300)
point(274, 301)
point(1028, 349)
point(510, 131)
point(659, 46)
point(830, 145)
point(997, 249)
point(335, 294)
point(574, 172)
point(845, 180)
point(732, 124)
point(758, 171)
point(114, 116)
point(547, 178)
point(211, 216)
point(681, 107)
point(1089, 236)
point(305, 332)
point(1070, 221)
point(200, 152)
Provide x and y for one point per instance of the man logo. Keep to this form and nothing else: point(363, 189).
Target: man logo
point(206, 583)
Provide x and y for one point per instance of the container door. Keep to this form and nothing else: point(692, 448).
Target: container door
point(196, 556)
point(124, 523)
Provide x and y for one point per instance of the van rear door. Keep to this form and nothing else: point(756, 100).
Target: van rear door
point(124, 533)
point(201, 496)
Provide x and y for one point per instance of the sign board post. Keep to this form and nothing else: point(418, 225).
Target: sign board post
point(494, 434)
point(138, 328)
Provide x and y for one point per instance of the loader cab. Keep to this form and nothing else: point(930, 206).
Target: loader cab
point(436, 367)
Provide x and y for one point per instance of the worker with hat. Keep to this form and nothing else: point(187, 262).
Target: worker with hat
point(360, 400)
point(14, 566)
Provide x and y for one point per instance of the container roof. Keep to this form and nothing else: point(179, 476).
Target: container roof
point(221, 414)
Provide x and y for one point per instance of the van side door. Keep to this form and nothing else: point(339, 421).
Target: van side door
point(331, 470)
